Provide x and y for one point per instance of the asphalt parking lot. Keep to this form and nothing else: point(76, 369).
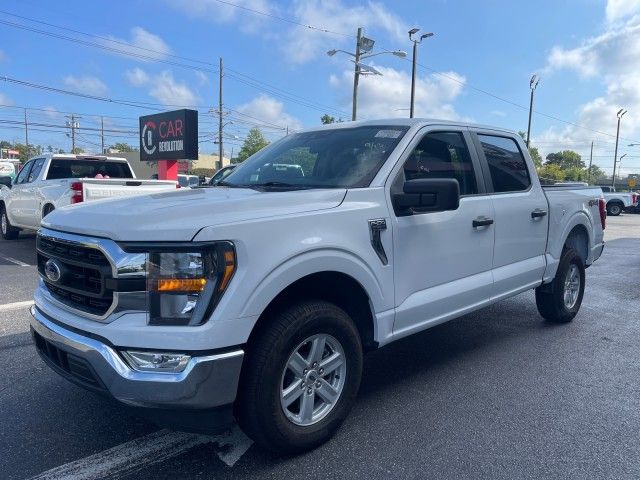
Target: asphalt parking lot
point(496, 394)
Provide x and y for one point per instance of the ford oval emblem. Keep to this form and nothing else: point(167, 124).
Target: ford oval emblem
point(52, 270)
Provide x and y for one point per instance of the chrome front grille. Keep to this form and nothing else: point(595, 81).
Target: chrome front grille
point(92, 277)
point(83, 283)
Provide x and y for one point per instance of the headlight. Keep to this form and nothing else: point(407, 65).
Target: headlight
point(184, 286)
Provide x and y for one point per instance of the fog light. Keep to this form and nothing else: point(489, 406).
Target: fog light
point(160, 362)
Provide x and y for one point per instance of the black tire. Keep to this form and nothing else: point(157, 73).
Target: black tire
point(47, 210)
point(258, 409)
point(614, 209)
point(8, 231)
point(550, 298)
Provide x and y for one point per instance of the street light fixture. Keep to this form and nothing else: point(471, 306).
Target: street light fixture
point(620, 114)
point(364, 45)
point(533, 83)
point(415, 41)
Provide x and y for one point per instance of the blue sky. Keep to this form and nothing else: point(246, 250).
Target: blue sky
point(587, 53)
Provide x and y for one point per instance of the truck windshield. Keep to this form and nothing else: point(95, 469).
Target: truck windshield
point(343, 157)
point(81, 168)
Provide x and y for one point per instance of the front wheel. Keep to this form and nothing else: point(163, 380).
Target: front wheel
point(301, 377)
point(560, 300)
point(8, 231)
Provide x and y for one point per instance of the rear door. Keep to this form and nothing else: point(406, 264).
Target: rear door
point(442, 263)
point(521, 212)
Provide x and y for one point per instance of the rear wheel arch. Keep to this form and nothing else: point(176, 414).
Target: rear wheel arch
point(578, 240)
point(47, 209)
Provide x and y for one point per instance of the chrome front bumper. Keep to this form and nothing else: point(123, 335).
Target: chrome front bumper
point(208, 381)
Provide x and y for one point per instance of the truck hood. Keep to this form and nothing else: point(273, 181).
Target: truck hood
point(180, 214)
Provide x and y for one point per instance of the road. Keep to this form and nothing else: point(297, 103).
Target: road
point(496, 394)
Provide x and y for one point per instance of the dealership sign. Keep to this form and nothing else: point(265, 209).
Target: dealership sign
point(169, 136)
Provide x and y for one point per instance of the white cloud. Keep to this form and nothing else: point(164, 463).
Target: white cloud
point(217, 12)
point(611, 58)
point(142, 44)
point(498, 113)
point(86, 84)
point(171, 92)
point(136, 77)
point(302, 45)
point(5, 100)
point(268, 110)
point(389, 95)
point(201, 77)
point(51, 112)
point(618, 9)
point(613, 52)
point(3, 56)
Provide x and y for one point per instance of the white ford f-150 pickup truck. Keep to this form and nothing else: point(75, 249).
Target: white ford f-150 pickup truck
point(257, 298)
point(53, 181)
point(617, 202)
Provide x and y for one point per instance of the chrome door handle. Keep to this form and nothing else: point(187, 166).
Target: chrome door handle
point(482, 222)
point(538, 213)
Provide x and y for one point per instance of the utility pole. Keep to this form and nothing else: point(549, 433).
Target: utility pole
point(590, 163)
point(73, 124)
point(102, 133)
point(26, 132)
point(356, 76)
point(620, 114)
point(533, 83)
point(220, 147)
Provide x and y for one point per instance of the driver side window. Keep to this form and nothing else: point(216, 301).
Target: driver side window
point(443, 155)
point(24, 173)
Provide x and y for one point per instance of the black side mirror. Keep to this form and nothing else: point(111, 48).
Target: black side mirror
point(427, 195)
point(6, 181)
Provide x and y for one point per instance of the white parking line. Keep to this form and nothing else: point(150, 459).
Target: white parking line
point(148, 450)
point(15, 305)
point(15, 261)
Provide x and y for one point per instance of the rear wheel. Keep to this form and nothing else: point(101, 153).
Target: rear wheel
point(614, 209)
point(300, 378)
point(8, 231)
point(560, 300)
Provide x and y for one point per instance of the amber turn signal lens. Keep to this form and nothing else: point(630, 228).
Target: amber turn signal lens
point(180, 284)
point(229, 268)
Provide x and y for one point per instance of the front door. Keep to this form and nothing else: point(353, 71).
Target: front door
point(15, 201)
point(442, 262)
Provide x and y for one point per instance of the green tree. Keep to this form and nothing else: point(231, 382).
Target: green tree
point(254, 142)
point(123, 147)
point(77, 151)
point(596, 173)
point(565, 159)
point(576, 174)
point(326, 119)
point(535, 156)
point(550, 173)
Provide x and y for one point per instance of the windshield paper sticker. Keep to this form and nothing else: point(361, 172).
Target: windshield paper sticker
point(388, 134)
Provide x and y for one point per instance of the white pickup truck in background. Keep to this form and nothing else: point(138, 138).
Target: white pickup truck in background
point(258, 297)
point(53, 181)
point(617, 202)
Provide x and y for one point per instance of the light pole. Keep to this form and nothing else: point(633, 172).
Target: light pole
point(363, 46)
point(415, 41)
point(620, 114)
point(614, 170)
point(533, 83)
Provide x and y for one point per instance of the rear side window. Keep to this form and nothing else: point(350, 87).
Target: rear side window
point(87, 169)
point(442, 155)
point(506, 164)
point(24, 173)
